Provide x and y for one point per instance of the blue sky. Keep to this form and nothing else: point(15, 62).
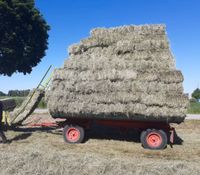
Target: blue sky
point(71, 20)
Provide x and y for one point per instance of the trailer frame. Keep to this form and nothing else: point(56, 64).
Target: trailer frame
point(74, 129)
point(141, 126)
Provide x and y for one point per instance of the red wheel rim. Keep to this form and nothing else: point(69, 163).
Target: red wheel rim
point(72, 134)
point(154, 139)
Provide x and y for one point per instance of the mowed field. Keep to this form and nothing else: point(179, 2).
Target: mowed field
point(106, 151)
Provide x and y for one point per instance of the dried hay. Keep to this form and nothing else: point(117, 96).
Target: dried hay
point(125, 72)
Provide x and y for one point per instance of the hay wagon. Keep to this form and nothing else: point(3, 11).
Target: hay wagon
point(124, 77)
point(153, 134)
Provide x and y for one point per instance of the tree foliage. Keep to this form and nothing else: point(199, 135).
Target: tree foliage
point(196, 94)
point(18, 93)
point(23, 36)
point(2, 94)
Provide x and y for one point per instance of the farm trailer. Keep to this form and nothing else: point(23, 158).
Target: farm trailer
point(154, 135)
point(122, 76)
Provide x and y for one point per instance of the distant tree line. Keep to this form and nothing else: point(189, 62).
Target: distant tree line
point(2, 94)
point(196, 94)
point(16, 93)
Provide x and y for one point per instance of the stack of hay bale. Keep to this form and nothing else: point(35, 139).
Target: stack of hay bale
point(125, 72)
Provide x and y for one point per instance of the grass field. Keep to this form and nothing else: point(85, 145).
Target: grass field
point(105, 152)
point(19, 101)
point(194, 108)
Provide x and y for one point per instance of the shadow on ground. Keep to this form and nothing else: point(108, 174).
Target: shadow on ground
point(110, 133)
point(130, 135)
point(22, 136)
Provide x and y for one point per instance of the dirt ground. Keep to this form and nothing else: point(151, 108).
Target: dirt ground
point(42, 151)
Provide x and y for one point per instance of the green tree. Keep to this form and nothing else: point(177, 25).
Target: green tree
point(19, 93)
point(23, 36)
point(196, 94)
point(2, 94)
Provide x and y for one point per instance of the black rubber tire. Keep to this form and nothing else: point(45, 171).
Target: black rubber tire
point(144, 136)
point(80, 138)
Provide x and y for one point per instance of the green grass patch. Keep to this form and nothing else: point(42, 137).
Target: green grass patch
point(19, 101)
point(194, 108)
point(42, 104)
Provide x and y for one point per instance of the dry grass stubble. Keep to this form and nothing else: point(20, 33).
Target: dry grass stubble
point(43, 152)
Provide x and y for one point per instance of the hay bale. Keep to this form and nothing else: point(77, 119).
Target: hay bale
point(125, 72)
